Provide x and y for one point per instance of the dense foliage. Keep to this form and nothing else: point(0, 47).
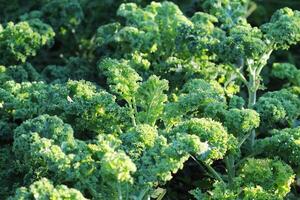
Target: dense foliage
point(140, 100)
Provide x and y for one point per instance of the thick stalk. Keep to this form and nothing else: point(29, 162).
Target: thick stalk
point(132, 116)
point(120, 197)
point(214, 173)
point(133, 110)
point(143, 194)
point(251, 9)
point(242, 77)
point(252, 139)
point(243, 139)
point(252, 89)
point(229, 162)
point(202, 167)
point(254, 86)
point(211, 170)
point(127, 191)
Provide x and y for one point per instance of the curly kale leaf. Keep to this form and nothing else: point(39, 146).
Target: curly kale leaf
point(208, 131)
point(19, 73)
point(76, 68)
point(282, 143)
point(228, 12)
point(274, 176)
point(122, 79)
point(154, 170)
point(78, 103)
point(241, 121)
point(138, 139)
point(22, 40)
point(261, 179)
point(198, 98)
point(45, 190)
point(277, 109)
point(10, 173)
point(151, 99)
point(242, 43)
point(283, 30)
point(62, 14)
point(45, 147)
point(286, 71)
point(151, 22)
point(42, 143)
